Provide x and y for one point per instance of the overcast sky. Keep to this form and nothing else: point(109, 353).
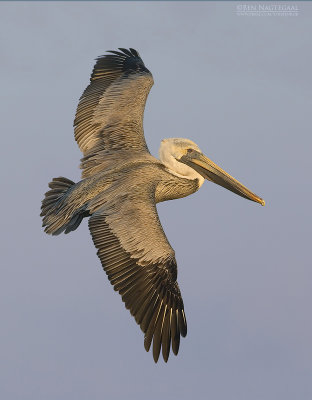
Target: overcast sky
point(240, 87)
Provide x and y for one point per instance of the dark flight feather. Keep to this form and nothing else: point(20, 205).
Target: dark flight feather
point(150, 292)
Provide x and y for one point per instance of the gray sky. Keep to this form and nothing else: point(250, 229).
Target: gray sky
point(240, 87)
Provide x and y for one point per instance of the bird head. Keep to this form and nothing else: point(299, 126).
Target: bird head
point(187, 159)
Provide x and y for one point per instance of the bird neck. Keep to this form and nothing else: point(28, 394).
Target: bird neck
point(179, 169)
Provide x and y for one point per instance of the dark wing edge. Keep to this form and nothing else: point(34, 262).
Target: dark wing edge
point(109, 115)
point(150, 292)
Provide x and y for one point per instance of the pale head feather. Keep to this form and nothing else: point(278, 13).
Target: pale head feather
point(171, 150)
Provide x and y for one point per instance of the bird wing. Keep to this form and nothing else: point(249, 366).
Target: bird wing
point(141, 265)
point(109, 115)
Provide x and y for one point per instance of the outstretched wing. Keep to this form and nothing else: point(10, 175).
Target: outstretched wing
point(109, 115)
point(141, 265)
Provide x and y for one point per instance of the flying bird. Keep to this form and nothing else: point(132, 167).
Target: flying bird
point(120, 187)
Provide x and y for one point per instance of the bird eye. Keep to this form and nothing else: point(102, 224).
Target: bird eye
point(189, 150)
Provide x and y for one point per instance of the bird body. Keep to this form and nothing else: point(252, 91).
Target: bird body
point(122, 183)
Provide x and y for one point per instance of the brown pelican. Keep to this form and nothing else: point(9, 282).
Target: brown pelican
point(122, 182)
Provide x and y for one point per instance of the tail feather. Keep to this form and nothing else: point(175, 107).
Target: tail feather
point(55, 220)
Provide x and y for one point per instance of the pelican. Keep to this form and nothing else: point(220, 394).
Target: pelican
point(120, 187)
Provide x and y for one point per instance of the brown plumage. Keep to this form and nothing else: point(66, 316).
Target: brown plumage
point(121, 185)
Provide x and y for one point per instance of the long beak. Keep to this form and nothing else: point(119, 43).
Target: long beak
point(212, 172)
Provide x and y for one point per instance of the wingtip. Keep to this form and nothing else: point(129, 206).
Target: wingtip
point(122, 52)
point(156, 357)
point(147, 343)
point(134, 52)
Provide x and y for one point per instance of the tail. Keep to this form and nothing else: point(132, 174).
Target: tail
point(56, 213)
